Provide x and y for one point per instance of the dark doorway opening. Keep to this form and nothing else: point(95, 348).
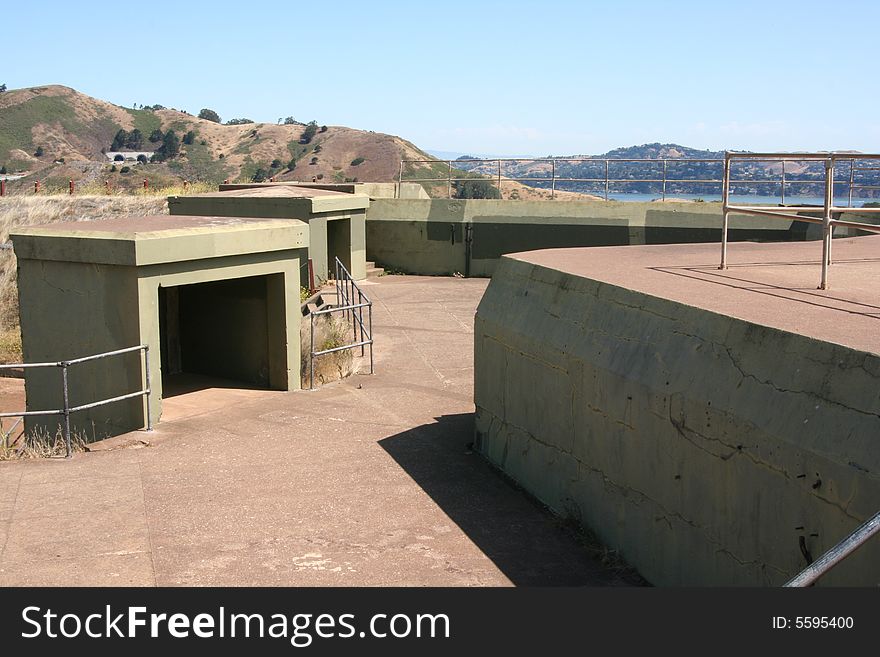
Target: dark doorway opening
point(214, 334)
point(338, 243)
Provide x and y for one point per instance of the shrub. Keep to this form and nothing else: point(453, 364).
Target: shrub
point(314, 160)
point(113, 169)
point(2, 88)
point(3, 169)
point(156, 135)
point(209, 115)
point(203, 142)
point(320, 176)
point(38, 152)
point(291, 165)
point(260, 175)
point(125, 169)
point(476, 189)
point(276, 164)
point(118, 157)
point(290, 121)
point(189, 137)
point(317, 148)
point(309, 133)
point(356, 161)
point(323, 128)
point(142, 158)
point(238, 121)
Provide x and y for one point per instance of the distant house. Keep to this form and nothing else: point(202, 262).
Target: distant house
point(127, 156)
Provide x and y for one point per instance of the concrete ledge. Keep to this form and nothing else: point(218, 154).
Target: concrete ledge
point(716, 427)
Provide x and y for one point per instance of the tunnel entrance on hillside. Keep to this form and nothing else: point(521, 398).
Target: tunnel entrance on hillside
point(217, 334)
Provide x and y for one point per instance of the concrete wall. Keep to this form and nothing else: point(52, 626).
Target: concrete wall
point(289, 208)
point(468, 236)
point(372, 189)
point(675, 433)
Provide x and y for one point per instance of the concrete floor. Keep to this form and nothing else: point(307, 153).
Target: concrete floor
point(365, 482)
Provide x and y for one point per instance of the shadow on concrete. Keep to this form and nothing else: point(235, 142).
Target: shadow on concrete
point(185, 383)
point(528, 544)
point(809, 295)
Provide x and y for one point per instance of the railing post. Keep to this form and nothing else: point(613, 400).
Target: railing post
point(312, 353)
point(66, 409)
point(783, 182)
point(370, 320)
point(725, 199)
point(3, 187)
point(606, 179)
point(665, 162)
point(852, 164)
point(70, 186)
point(149, 388)
point(827, 229)
point(449, 179)
point(312, 287)
point(399, 180)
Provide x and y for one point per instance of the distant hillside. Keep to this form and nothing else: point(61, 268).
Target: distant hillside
point(634, 173)
point(54, 133)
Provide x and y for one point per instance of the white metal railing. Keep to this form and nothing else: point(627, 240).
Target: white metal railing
point(836, 554)
point(658, 171)
point(828, 209)
point(67, 409)
point(351, 302)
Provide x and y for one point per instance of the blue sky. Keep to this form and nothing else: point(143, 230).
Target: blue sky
point(492, 78)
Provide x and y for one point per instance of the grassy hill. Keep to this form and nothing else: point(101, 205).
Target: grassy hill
point(69, 130)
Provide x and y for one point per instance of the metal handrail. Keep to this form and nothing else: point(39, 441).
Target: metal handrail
point(67, 409)
point(828, 209)
point(836, 554)
point(351, 302)
point(498, 177)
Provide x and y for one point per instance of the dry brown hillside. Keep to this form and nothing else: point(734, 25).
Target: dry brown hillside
point(62, 123)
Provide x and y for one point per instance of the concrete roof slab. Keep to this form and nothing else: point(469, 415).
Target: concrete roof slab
point(773, 284)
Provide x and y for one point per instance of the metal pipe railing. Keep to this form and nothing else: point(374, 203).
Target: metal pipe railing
point(351, 302)
point(662, 164)
point(836, 554)
point(67, 409)
point(830, 212)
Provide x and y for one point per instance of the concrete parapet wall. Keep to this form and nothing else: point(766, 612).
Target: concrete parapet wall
point(709, 450)
point(441, 236)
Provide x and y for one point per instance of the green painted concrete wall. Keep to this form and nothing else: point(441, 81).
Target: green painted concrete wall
point(289, 208)
point(677, 434)
point(442, 236)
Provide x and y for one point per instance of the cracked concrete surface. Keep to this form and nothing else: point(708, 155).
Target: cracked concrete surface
point(366, 482)
point(703, 422)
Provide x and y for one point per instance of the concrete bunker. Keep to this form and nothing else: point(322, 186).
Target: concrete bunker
point(337, 220)
point(209, 296)
point(684, 413)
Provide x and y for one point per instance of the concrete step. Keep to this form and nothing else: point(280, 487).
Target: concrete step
point(374, 272)
point(371, 264)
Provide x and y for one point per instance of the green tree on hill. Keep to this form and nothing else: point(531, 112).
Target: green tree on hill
point(169, 149)
point(209, 115)
point(189, 137)
point(156, 135)
point(134, 140)
point(309, 133)
point(476, 189)
point(2, 88)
